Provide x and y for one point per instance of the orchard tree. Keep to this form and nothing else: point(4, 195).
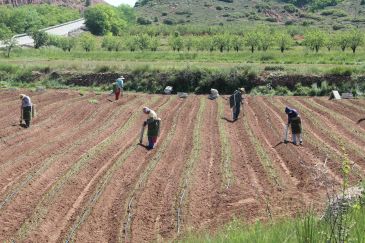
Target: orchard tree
point(266, 38)
point(154, 43)
point(315, 39)
point(88, 42)
point(342, 40)
point(143, 41)
point(283, 40)
point(355, 39)
point(220, 41)
point(237, 42)
point(40, 38)
point(252, 40)
point(132, 43)
point(67, 43)
point(329, 41)
point(188, 43)
point(108, 42)
point(6, 39)
point(176, 42)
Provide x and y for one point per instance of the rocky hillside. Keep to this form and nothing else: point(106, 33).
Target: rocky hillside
point(339, 14)
point(79, 4)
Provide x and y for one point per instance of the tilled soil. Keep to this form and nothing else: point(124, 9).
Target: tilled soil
point(79, 174)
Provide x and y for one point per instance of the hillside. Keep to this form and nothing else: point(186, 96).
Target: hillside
point(222, 12)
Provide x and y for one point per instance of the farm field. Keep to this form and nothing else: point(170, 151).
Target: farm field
point(78, 174)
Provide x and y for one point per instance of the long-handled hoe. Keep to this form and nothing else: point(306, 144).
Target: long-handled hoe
point(141, 136)
point(21, 116)
point(286, 133)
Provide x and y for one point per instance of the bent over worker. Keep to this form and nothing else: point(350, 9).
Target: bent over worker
point(296, 125)
point(118, 87)
point(153, 125)
point(26, 110)
point(235, 101)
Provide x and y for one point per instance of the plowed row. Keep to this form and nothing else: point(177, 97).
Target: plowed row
point(79, 175)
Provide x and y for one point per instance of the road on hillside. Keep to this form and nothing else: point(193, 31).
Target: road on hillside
point(61, 29)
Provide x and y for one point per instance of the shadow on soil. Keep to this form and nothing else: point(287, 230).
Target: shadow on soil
point(228, 120)
point(282, 142)
point(144, 146)
point(362, 119)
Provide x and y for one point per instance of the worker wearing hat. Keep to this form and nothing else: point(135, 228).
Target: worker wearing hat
point(26, 110)
point(118, 87)
point(235, 101)
point(296, 125)
point(153, 125)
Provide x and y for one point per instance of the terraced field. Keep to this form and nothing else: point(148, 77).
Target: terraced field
point(78, 174)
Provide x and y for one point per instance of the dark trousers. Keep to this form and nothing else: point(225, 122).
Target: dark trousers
point(151, 141)
point(236, 111)
point(27, 115)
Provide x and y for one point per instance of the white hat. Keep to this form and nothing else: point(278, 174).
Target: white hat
point(121, 77)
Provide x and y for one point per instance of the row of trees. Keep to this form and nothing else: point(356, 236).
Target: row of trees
point(254, 40)
point(316, 39)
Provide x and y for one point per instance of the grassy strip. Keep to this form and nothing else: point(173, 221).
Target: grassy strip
point(144, 177)
point(308, 228)
point(190, 165)
point(41, 209)
point(36, 172)
point(264, 157)
point(103, 182)
point(226, 150)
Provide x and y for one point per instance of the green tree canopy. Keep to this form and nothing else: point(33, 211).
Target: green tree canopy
point(102, 19)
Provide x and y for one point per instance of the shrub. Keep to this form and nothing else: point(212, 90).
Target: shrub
point(290, 8)
point(143, 21)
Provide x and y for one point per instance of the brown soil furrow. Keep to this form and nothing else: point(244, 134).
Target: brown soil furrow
point(298, 188)
point(73, 112)
point(106, 219)
point(331, 141)
point(334, 114)
point(64, 206)
point(337, 131)
point(157, 219)
point(342, 108)
point(247, 196)
point(45, 110)
point(56, 175)
point(206, 179)
point(358, 104)
point(310, 149)
point(103, 181)
point(11, 114)
point(35, 137)
point(13, 131)
point(61, 144)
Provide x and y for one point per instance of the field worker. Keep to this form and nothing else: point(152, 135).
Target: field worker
point(118, 87)
point(296, 125)
point(153, 125)
point(26, 110)
point(235, 101)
